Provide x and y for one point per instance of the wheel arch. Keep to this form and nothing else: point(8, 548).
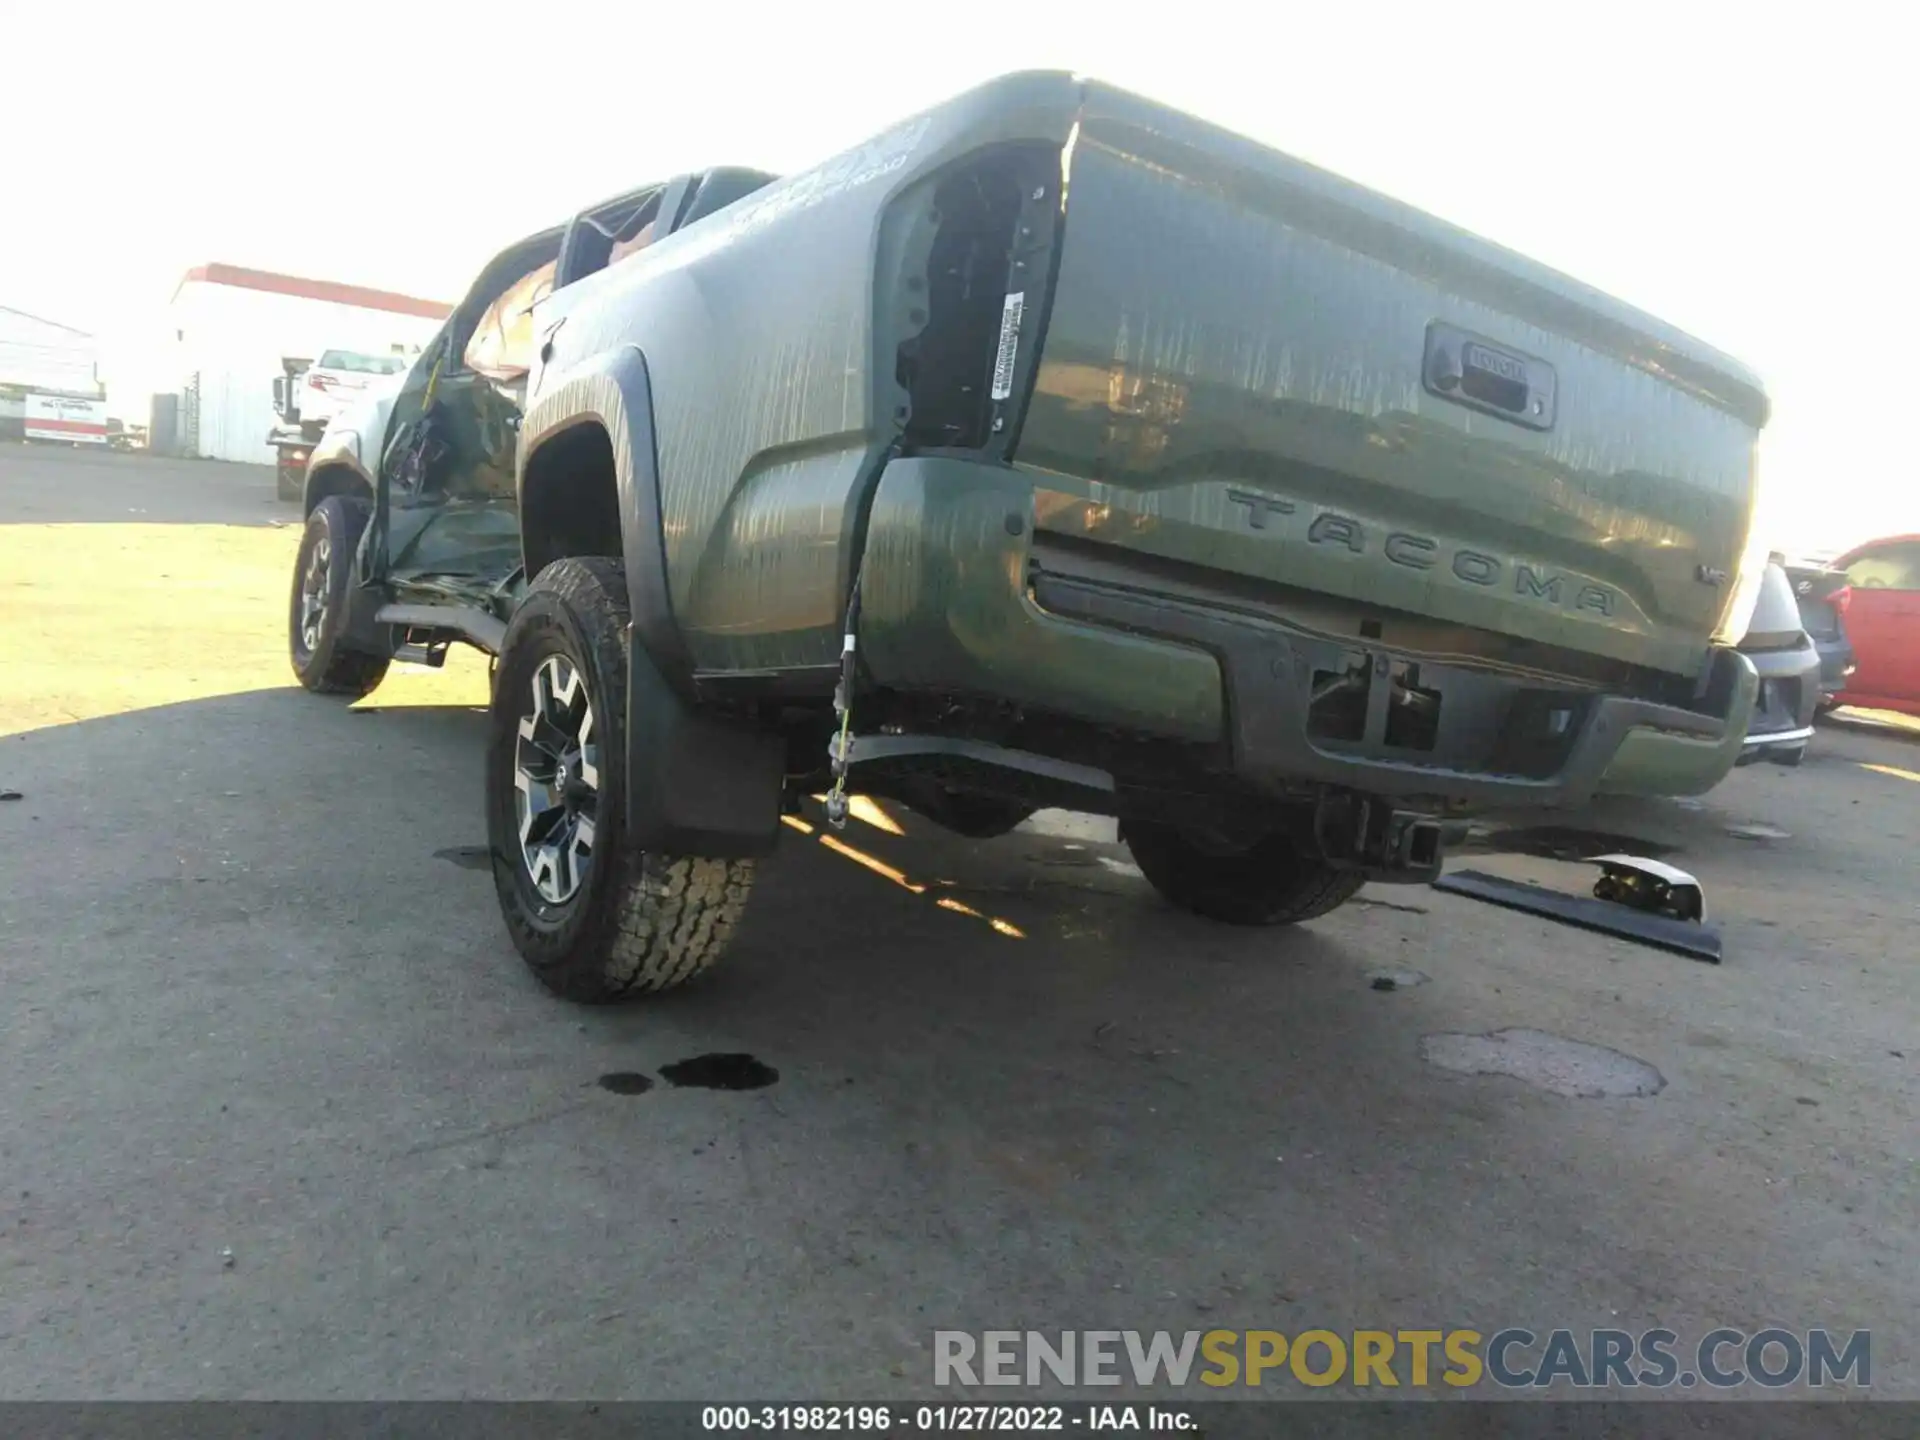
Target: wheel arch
point(698, 783)
point(336, 477)
point(590, 485)
point(570, 498)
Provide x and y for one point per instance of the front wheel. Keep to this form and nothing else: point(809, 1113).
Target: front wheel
point(317, 609)
point(1268, 883)
point(594, 919)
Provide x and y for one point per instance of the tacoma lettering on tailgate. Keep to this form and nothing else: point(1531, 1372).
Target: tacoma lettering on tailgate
point(1422, 552)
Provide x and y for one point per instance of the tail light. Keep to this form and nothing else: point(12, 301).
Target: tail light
point(1840, 600)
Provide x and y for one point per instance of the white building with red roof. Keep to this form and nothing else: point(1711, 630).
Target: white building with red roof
point(232, 327)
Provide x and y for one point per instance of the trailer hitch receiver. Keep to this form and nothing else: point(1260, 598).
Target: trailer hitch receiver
point(1359, 832)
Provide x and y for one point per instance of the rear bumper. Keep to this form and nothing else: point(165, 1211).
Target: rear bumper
point(1790, 690)
point(951, 604)
point(1783, 747)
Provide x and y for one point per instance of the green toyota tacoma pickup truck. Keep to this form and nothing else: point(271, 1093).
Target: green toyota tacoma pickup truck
point(1052, 448)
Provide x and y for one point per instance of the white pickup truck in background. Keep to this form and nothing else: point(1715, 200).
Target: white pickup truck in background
point(307, 397)
point(337, 379)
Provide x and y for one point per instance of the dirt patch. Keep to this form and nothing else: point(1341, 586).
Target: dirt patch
point(105, 619)
point(1566, 1067)
point(1756, 831)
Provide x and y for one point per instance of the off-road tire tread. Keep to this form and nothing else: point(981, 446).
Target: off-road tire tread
point(675, 918)
point(664, 919)
point(353, 673)
point(1269, 885)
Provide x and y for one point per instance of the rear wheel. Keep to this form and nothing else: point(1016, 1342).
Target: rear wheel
point(317, 609)
point(594, 919)
point(1268, 883)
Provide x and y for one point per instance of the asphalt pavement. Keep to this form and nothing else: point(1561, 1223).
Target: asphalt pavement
point(284, 1116)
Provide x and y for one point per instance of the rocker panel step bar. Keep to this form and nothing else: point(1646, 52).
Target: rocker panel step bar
point(476, 627)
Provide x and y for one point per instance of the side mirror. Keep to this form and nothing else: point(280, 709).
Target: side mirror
point(1649, 885)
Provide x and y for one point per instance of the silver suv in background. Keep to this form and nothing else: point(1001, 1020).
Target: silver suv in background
point(1815, 584)
point(1789, 664)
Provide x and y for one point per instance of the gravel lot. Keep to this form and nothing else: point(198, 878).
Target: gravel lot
point(284, 1117)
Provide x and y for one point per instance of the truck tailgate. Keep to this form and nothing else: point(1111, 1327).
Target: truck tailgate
point(1253, 368)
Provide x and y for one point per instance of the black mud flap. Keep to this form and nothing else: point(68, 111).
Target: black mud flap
point(697, 784)
point(1662, 932)
point(365, 595)
point(362, 629)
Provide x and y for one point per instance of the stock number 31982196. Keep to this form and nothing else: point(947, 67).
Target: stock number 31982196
point(962, 1419)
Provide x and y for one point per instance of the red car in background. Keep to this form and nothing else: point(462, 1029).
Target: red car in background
point(1881, 606)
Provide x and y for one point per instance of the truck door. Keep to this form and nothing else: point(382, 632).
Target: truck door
point(446, 480)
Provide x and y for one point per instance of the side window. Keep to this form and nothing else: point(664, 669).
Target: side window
point(619, 229)
point(624, 248)
point(1887, 567)
point(607, 233)
point(720, 188)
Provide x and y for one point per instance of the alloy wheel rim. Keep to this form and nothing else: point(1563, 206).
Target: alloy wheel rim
point(556, 780)
point(313, 593)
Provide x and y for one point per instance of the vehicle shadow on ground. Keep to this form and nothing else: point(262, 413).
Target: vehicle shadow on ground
point(981, 922)
point(883, 955)
point(1031, 991)
point(250, 930)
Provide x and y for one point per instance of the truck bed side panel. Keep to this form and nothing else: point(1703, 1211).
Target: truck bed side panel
point(774, 398)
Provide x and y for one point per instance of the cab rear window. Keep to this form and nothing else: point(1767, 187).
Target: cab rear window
point(362, 364)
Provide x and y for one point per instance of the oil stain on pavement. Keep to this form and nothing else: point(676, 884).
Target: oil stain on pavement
point(626, 1082)
point(1552, 1062)
point(702, 1072)
point(719, 1072)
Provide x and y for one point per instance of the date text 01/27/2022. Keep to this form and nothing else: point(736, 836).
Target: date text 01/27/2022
point(950, 1418)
